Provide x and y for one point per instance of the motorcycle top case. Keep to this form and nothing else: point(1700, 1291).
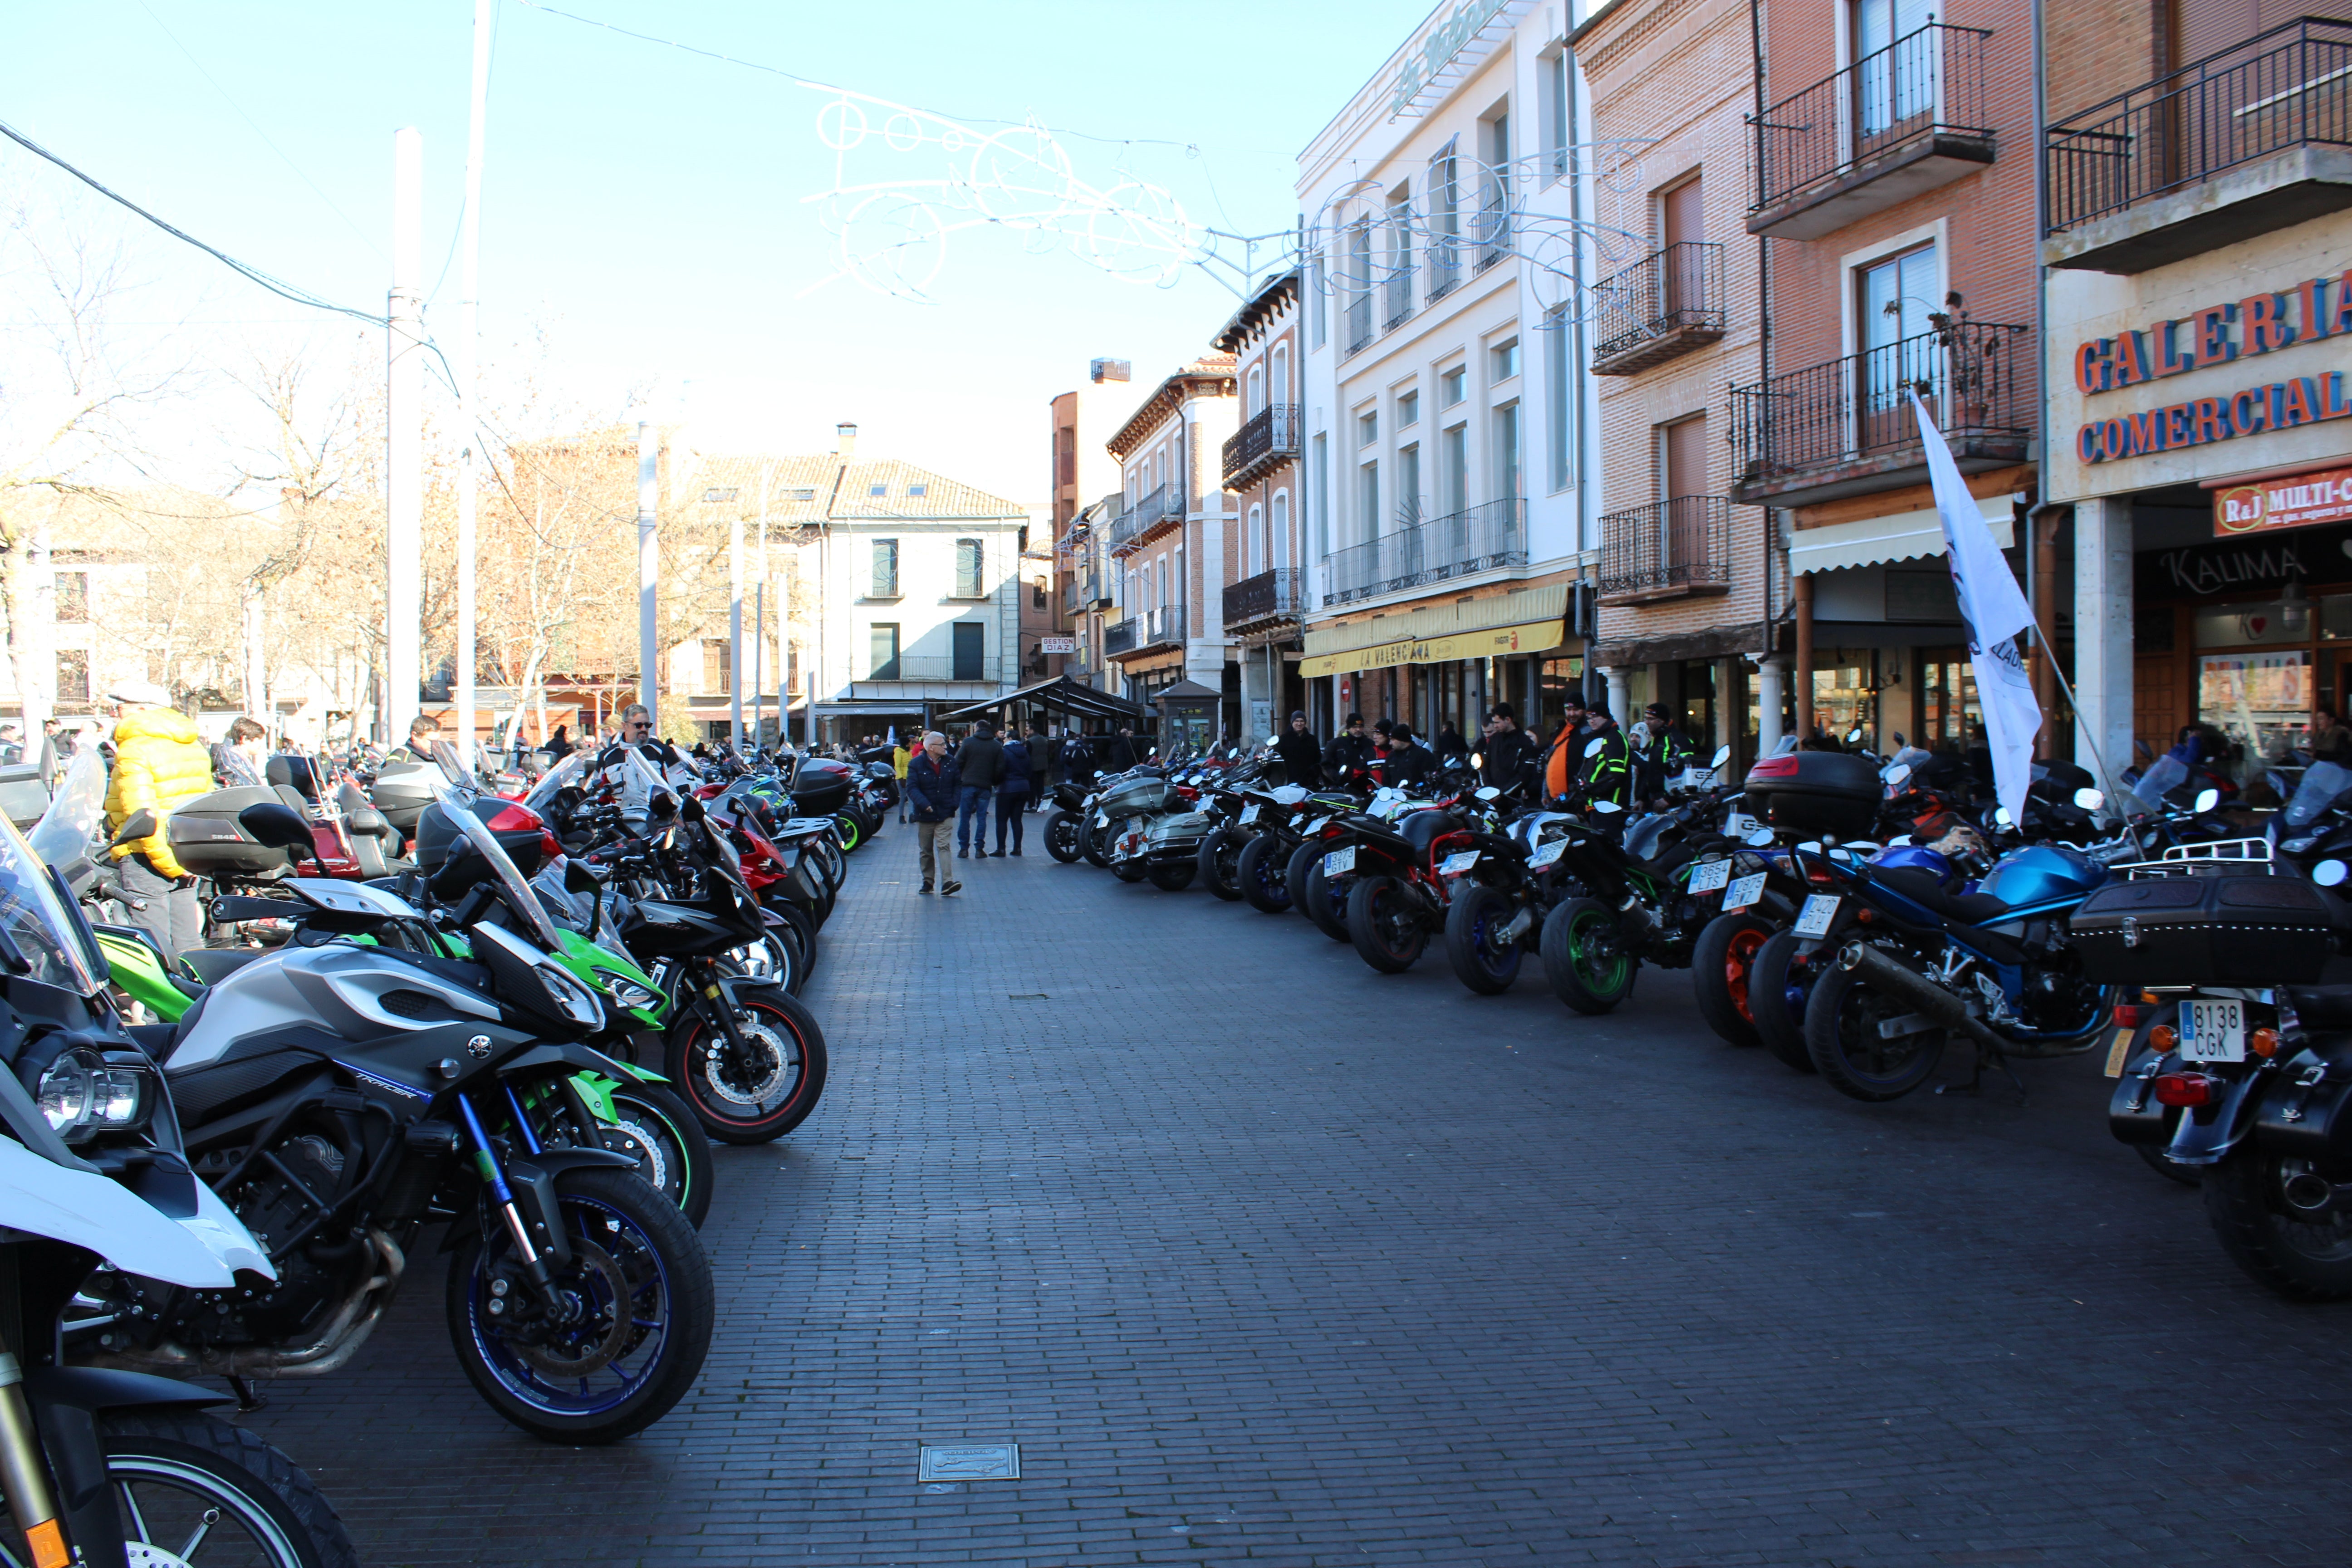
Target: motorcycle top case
point(821, 788)
point(206, 837)
point(2202, 931)
point(1816, 791)
point(402, 791)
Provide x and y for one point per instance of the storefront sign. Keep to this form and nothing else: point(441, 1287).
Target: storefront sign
point(2300, 501)
point(2218, 335)
point(1499, 642)
point(1444, 41)
point(2239, 565)
point(1057, 645)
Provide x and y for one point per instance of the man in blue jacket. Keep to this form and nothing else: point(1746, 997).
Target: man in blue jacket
point(1012, 794)
point(932, 786)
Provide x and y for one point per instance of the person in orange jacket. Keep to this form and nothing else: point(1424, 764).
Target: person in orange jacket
point(160, 763)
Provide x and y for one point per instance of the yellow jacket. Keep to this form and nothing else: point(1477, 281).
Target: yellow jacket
point(159, 764)
point(899, 759)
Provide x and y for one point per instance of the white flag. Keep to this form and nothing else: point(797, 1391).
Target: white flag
point(1994, 610)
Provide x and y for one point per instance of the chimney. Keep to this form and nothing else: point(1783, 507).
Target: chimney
point(845, 441)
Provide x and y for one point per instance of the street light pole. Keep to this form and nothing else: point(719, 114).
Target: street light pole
point(405, 445)
point(469, 262)
point(648, 566)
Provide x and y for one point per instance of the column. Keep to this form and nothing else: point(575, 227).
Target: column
point(1770, 675)
point(1803, 596)
point(1618, 695)
point(2102, 637)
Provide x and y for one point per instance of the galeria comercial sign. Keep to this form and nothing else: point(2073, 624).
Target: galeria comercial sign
point(2218, 335)
point(1437, 50)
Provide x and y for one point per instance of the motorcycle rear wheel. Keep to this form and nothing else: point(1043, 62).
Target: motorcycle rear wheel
point(1218, 863)
point(1170, 878)
point(852, 831)
point(1471, 921)
point(792, 1078)
point(1582, 957)
point(1382, 924)
point(642, 1280)
point(1842, 1020)
point(1722, 966)
point(1261, 875)
point(1316, 900)
point(192, 1475)
point(1063, 836)
point(2299, 1259)
point(1127, 870)
point(1094, 844)
point(1779, 971)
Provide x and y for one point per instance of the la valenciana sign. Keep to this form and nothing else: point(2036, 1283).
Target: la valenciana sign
point(2302, 500)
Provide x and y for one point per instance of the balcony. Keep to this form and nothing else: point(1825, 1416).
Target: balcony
point(1670, 550)
point(1399, 289)
point(1268, 599)
point(1360, 319)
point(1905, 120)
point(1481, 539)
point(1096, 594)
point(1846, 428)
point(1656, 308)
point(2255, 139)
point(1268, 441)
point(1494, 224)
point(1142, 522)
point(1146, 633)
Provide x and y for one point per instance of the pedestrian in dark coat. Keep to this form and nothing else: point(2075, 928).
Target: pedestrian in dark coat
point(934, 788)
point(1040, 747)
point(980, 762)
point(1301, 753)
point(1011, 792)
point(1349, 752)
point(1119, 755)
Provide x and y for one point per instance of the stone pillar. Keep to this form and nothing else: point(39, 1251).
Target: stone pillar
point(2102, 637)
point(1618, 695)
point(1769, 675)
point(1802, 592)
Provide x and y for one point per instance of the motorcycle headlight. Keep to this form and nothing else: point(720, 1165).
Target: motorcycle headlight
point(630, 994)
point(83, 1097)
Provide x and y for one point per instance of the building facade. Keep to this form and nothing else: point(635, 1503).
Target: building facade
point(1169, 553)
point(1264, 604)
point(1083, 473)
point(1442, 434)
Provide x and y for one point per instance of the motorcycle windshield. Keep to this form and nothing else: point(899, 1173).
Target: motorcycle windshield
point(2322, 783)
point(34, 921)
point(66, 829)
point(458, 807)
point(2164, 775)
point(572, 770)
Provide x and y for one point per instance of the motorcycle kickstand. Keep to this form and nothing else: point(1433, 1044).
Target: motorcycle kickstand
point(248, 1398)
point(1976, 1076)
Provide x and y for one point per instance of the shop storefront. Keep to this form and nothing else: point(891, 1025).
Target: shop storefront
point(1432, 666)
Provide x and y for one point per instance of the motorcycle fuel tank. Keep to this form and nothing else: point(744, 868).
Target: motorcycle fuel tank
point(2041, 873)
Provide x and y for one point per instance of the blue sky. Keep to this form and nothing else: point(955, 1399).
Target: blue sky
point(645, 207)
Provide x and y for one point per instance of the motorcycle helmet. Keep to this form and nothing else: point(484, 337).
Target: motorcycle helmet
point(519, 830)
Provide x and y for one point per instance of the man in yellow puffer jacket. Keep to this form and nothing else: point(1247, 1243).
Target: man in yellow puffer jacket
point(159, 764)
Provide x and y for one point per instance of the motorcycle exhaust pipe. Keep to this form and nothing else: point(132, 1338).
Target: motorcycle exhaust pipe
point(2310, 1196)
point(1919, 993)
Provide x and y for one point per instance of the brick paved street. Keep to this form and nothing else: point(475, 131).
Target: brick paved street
point(1262, 1257)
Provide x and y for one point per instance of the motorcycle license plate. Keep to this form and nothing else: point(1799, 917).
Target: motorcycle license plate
point(1708, 877)
point(1249, 813)
point(2213, 1031)
point(1814, 919)
point(1546, 855)
point(1743, 892)
point(1339, 862)
point(1461, 860)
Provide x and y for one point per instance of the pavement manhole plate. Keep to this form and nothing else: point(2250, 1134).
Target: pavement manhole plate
point(972, 1462)
point(1026, 997)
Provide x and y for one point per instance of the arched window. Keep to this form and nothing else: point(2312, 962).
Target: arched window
point(1279, 385)
point(1280, 555)
point(1257, 551)
point(1256, 389)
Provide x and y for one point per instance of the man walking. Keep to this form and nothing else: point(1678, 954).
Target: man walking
point(932, 788)
point(159, 764)
point(1120, 755)
point(1040, 767)
point(1011, 792)
point(980, 762)
point(1301, 753)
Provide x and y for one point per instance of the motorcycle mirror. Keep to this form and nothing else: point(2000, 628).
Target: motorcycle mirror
point(1899, 773)
point(1853, 736)
point(662, 806)
point(278, 826)
point(2000, 816)
point(1759, 839)
point(139, 824)
point(2206, 799)
point(1607, 808)
point(2328, 873)
point(1593, 747)
point(2089, 799)
point(578, 877)
point(692, 810)
point(1722, 755)
point(1490, 792)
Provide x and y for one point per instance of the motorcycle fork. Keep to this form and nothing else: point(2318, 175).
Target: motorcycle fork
point(24, 1477)
point(712, 1002)
point(502, 1197)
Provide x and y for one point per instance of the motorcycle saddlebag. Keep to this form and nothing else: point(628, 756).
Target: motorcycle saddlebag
point(2202, 931)
point(402, 791)
point(2307, 1113)
point(207, 839)
point(1816, 791)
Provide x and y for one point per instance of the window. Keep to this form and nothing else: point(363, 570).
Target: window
point(805, 493)
point(1445, 221)
point(1452, 387)
point(1681, 466)
point(1507, 451)
point(918, 491)
point(1408, 486)
point(968, 583)
point(885, 570)
point(73, 675)
point(1558, 99)
point(1278, 384)
point(1891, 298)
point(1891, 85)
point(1506, 358)
point(1558, 384)
point(719, 498)
point(882, 651)
point(1408, 410)
point(1399, 303)
point(1257, 541)
point(1368, 428)
point(1360, 284)
point(1319, 475)
point(72, 597)
point(1454, 470)
point(1369, 488)
point(1280, 529)
point(1037, 594)
point(1494, 197)
point(717, 659)
point(878, 490)
point(971, 651)
point(1315, 290)
point(1256, 389)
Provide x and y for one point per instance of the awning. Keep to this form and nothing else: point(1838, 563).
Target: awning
point(1061, 692)
point(1497, 642)
point(1426, 623)
point(1902, 537)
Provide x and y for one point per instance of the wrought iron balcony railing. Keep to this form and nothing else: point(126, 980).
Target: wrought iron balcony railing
point(1265, 598)
point(1479, 539)
point(1667, 549)
point(1670, 302)
point(1400, 296)
point(1148, 630)
point(1158, 507)
point(1266, 439)
point(1359, 318)
point(1975, 378)
point(1925, 85)
point(2282, 88)
point(1118, 637)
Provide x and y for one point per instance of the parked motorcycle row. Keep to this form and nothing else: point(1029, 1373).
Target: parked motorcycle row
point(506, 1026)
point(1856, 917)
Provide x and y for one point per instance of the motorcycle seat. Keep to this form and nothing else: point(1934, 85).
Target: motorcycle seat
point(1921, 887)
point(1421, 828)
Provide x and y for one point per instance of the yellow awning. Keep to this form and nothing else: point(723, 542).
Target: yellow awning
point(1497, 642)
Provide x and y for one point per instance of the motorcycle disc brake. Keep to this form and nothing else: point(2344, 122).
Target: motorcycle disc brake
point(603, 1332)
point(763, 1048)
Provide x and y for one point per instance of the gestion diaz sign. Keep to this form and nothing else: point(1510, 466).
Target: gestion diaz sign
point(2299, 500)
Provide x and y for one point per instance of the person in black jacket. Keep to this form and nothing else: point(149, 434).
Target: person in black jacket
point(1119, 755)
point(1301, 753)
point(980, 762)
point(1604, 772)
point(1011, 790)
point(1506, 750)
point(1078, 760)
point(1350, 751)
point(1410, 766)
point(932, 788)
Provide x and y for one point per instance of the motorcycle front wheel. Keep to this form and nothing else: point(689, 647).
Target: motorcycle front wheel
point(781, 1084)
point(2301, 1259)
point(180, 1479)
point(852, 832)
point(638, 1307)
point(1323, 903)
point(1584, 957)
point(1219, 862)
point(1722, 967)
point(1262, 876)
point(1850, 1051)
point(1481, 963)
point(1062, 838)
point(672, 1152)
